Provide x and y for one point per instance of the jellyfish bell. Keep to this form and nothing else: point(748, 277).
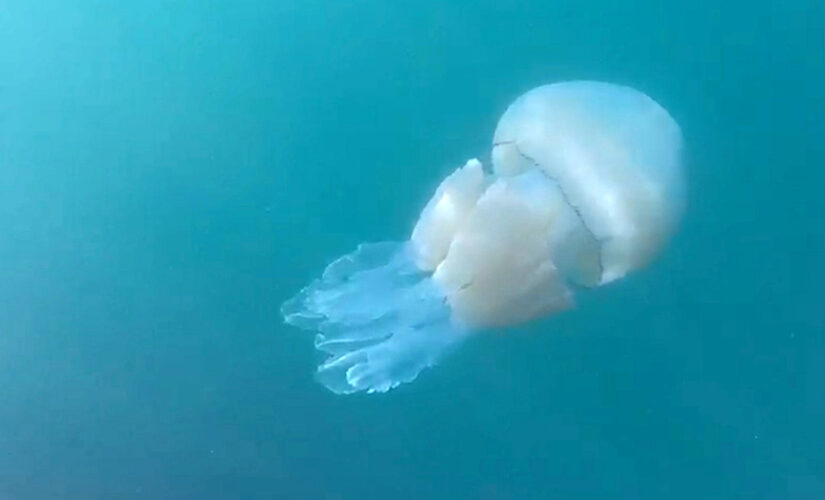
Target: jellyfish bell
point(615, 155)
point(586, 186)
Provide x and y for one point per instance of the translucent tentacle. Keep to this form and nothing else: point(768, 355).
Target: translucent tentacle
point(380, 318)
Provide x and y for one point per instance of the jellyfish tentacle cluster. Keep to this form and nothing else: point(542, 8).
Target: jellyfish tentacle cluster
point(586, 186)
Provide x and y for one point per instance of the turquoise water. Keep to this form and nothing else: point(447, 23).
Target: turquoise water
point(170, 172)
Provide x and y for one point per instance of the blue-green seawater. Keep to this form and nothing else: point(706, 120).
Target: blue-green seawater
point(172, 171)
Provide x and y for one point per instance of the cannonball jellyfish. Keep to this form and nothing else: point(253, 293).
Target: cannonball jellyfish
point(586, 186)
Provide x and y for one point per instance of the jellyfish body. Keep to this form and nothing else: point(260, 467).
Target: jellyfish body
point(586, 186)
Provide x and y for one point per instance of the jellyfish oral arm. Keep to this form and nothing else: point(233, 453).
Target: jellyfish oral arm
point(376, 312)
point(377, 316)
point(477, 258)
point(445, 213)
point(498, 270)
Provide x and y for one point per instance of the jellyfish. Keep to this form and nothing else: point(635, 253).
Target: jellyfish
point(586, 186)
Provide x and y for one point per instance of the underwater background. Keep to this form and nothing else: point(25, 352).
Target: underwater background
point(172, 171)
